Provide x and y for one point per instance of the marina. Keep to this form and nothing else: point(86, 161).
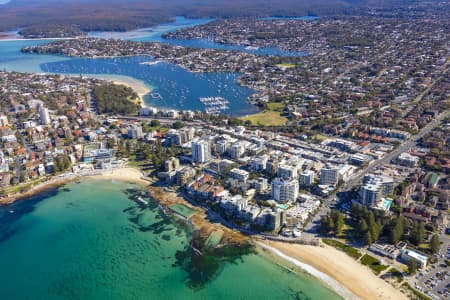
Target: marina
point(174, 87)
point(215, 105)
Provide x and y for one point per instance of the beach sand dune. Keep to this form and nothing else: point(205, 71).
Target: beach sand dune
point(358, 279)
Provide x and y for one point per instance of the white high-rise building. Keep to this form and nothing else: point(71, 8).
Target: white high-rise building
point(374, 188)
point(237, 150)
point(258, 164)
point(135, 132)
point(307, 178)
point(329, 175)
point(239, 174)
point(287, 171)
point(284, 190)
point(222, 146)
point(3, 120)
point(44, 116)
point(201, 151)
point(4, 167)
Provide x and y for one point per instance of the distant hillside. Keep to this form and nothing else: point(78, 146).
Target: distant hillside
point(40, 18)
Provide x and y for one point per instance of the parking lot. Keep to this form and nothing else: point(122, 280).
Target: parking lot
point(434, 281)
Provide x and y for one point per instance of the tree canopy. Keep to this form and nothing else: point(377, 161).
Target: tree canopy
point(115, 99)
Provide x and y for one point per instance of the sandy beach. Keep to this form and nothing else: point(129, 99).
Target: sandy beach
point(126, 174)
point(340, 272)
point(138, 86)
point(355, 277)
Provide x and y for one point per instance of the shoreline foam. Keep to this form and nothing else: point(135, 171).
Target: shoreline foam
point(333, 284)
point(346, 272)
point(365, 286)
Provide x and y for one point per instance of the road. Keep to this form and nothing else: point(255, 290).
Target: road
point(164, 121)
point(404, 147)
point(311, 227)
point(430, 280)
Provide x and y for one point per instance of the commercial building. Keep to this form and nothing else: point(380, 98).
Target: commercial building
point(345, 172)
point(384, 250)
point(408, 254)
point(201, 151)
point(406, 159)
point(343, 145)
point(135, 132)
point(307, 178)
point(237, 150)
point(329, 175)
point(239, 174)
point(258, 164)
point(181, 136)
point(285, 190)
point(374, 188)
point(287, 171)
point(359, 159)
point(184, 175)
point(261, 184)
point(44, 116)
point(171, 164)
point(222, 146)
point(3, 121)
point(90, 155)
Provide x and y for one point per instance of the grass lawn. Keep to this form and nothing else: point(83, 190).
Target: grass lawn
point(286, 65)
point(275, 106)
point(319, 137)
point(266, 118)
point(341, 246)
point(396, 273)
point(373, 263)
point(161, 129)
point(144, 164)
point(424, 247)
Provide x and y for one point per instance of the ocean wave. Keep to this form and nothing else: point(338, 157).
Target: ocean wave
point(333, 284)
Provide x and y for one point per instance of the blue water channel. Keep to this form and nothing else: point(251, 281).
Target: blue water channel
point(175, 87)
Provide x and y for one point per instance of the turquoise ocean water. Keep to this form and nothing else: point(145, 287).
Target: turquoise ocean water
point(90, 241)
